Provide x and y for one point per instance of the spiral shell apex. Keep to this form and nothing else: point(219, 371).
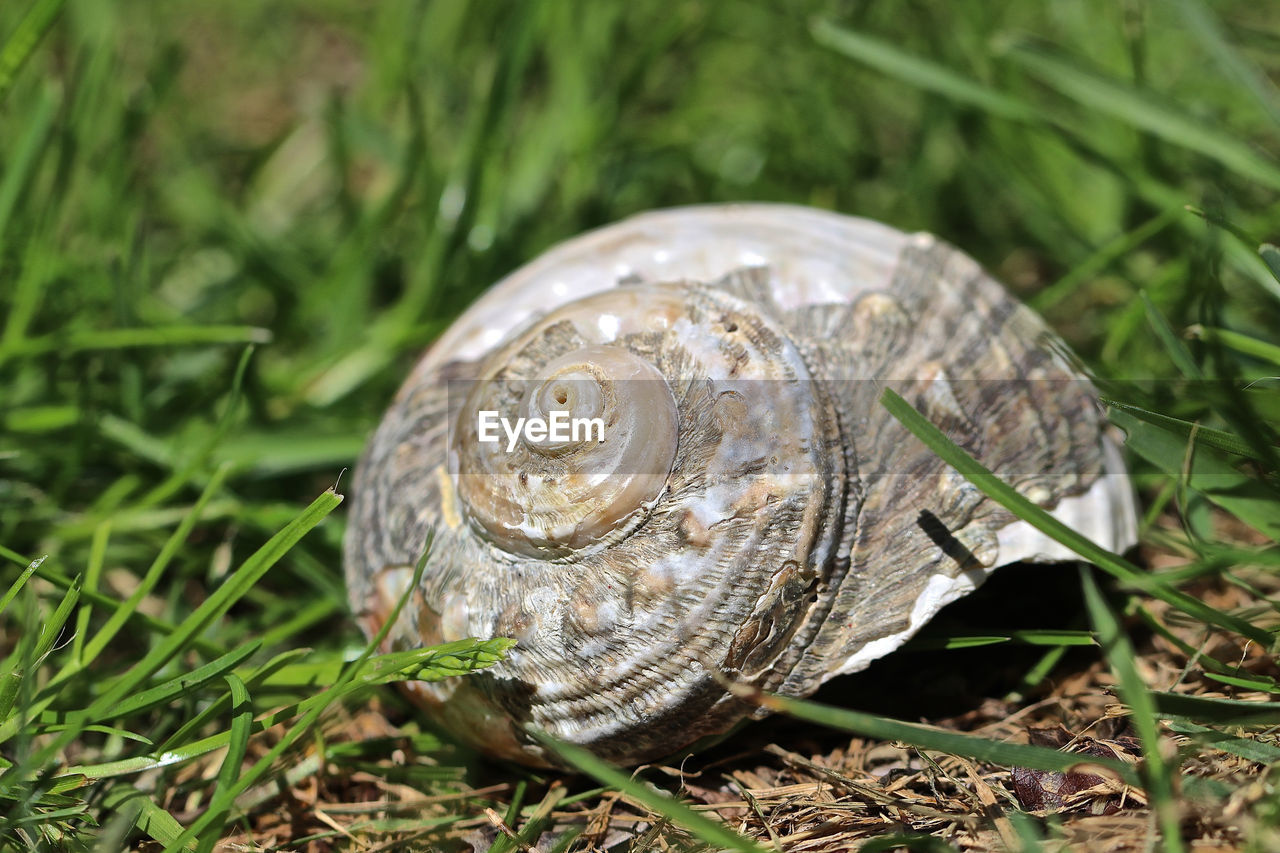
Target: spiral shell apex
point(738, 506)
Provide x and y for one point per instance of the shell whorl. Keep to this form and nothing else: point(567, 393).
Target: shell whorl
point(555, 496)
point(751, 513)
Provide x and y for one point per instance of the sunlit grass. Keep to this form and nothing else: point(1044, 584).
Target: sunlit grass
point(227, 230)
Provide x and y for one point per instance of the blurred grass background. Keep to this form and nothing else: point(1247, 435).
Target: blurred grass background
point(331, 182)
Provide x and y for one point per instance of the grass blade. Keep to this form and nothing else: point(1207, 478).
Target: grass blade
point(1177, 350)
point(1252, 749)
point(51, 629)
point(240, 582)
point(1145, 111)
point(704, 828)
point(225, 796)
point(17, 669)
point(430, 664)
point(918, 71)
point(1122, 246)
point(411, 662)
point(185, 683)
point(1208, 436)
point(1029, 638)
point(153, 574)
point(17, 585)
point(1245, 344)
point(1271, 257)
point(1120, 656)
point(161, 336)
point(93, 572)
point(927, 737)
point(18, 173)
point(249, 573)
point(150, 623)
point(1260, 683)
point(157, 823)
point(22, 42)
point(229, 772)
point(1208, 709)
point(1008, 497)
point(219, 706)
point(1206, 471)
point(1204, 26)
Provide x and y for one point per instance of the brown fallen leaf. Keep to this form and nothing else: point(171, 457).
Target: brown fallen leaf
point(1051, 790)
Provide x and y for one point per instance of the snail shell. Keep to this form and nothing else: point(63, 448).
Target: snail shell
point(752, 513)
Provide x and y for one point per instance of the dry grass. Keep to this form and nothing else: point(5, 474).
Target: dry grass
point(795, 788)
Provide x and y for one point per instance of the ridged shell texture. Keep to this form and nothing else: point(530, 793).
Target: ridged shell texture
point(747, 510)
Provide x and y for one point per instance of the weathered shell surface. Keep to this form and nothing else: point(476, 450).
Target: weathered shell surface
point(754, 514)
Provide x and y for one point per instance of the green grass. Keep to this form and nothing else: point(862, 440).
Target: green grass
point(227, 230)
